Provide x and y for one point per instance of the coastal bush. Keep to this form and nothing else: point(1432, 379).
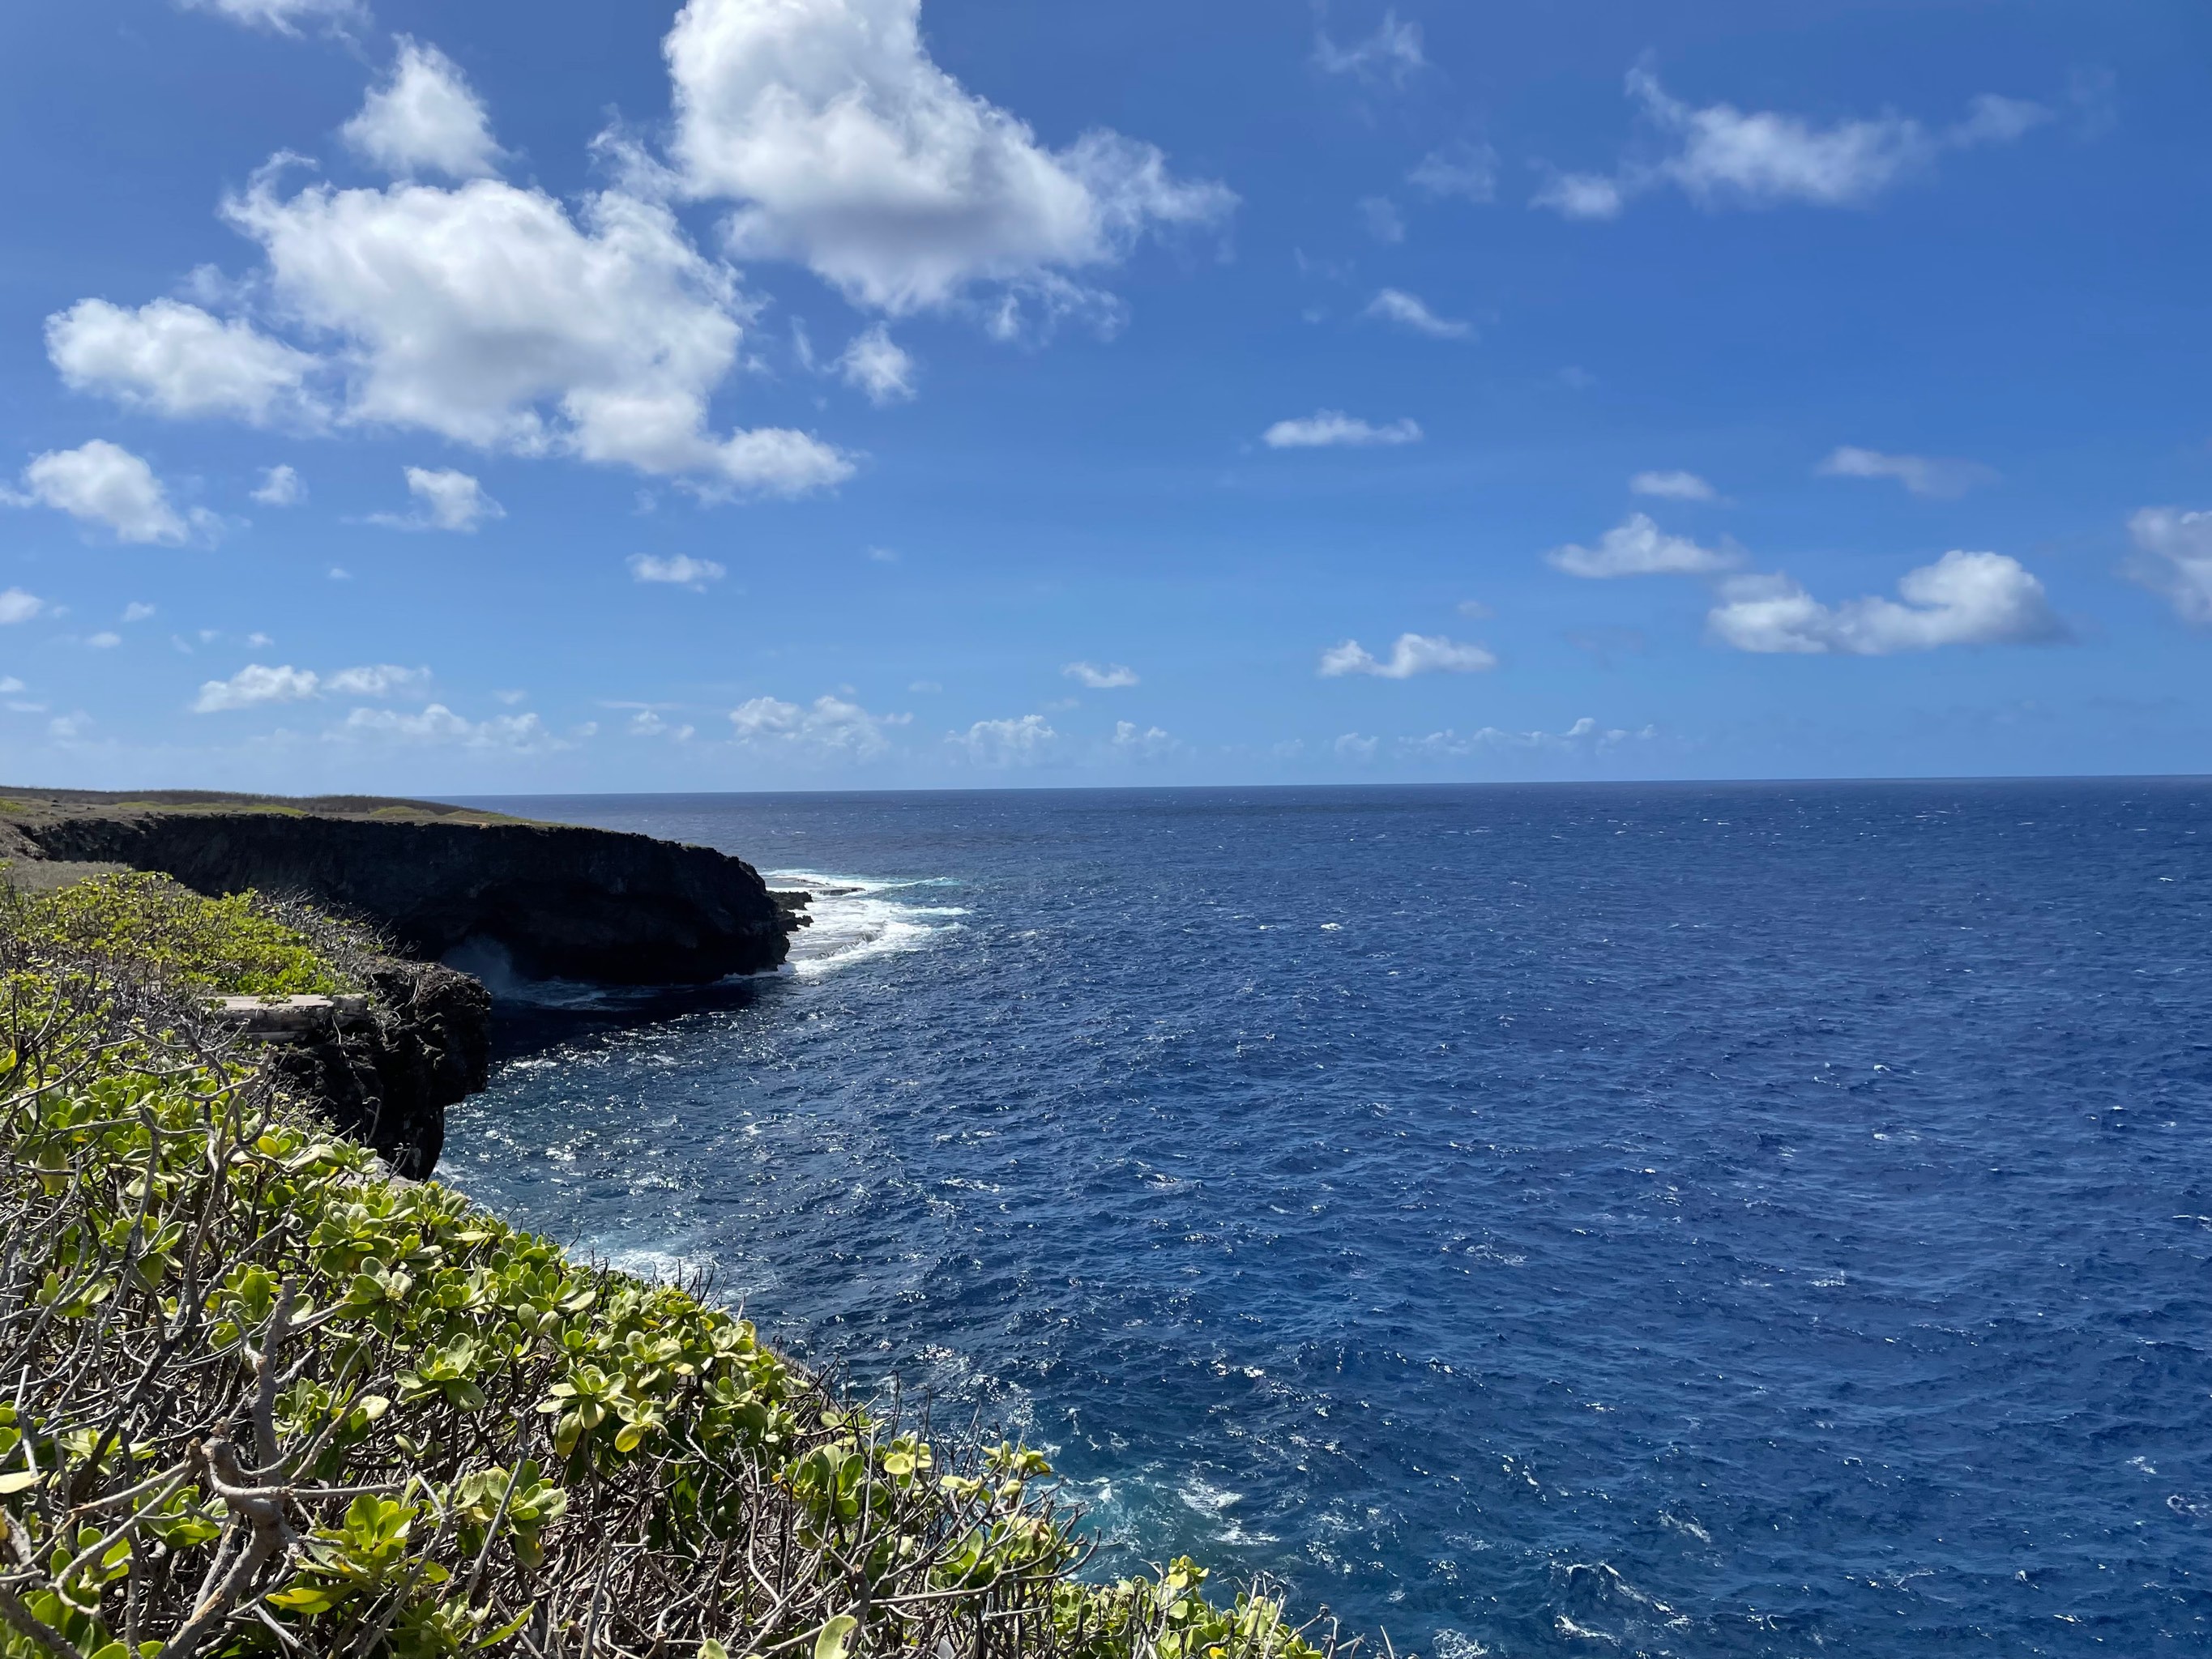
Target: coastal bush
point(262, 1400)
point(240, 945)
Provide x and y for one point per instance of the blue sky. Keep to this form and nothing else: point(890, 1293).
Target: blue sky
point(845, 394)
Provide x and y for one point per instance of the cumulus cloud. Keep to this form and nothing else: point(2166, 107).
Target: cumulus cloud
point(879, 366)
point(2177, 547)
point(1963, 599)
point(280, 487)
point(18, 606)
point(676, 569)
point(1674, 487)
point(1721, 156)
point(1022, 742)
point(177, 360)
point(1393, 53)
point(438, 725)
point(1921, 474)
point(424, 117)
point(488, 314)
point(1135, 743)
point(447, 501)
point(103, 483)
point(1637, 547)
point(1333, 429)
point(829, 728)
point(1111, 677)
point(256, 686)
point(107, 640)
point(1395, 306)
point(1585, 736)
point(1414, 654)
point(1467, 171)
point(136, 612)
point(284, 16)
point(846, 146)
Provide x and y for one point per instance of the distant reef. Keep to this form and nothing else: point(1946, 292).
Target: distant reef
point(562, 902)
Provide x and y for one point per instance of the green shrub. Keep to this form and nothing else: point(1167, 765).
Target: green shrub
point(262, 1402)
point(234, 947)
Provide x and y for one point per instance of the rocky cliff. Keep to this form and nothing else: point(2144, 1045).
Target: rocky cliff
point(562, 902)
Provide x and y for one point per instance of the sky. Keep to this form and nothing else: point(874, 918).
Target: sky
point(916, 393)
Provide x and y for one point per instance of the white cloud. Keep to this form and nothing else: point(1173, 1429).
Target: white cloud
point(18, 606)
point(1392, 53)
point(439, 725)
point(1674, 487)
point(424, 118)
point(1637, 547)
point(1963, 599)
point(1414, 654)
point(280, 487)
point(1723, 156)
point(284, 16)
point(846, 146)
point(1464, 170)
point(1023, 742)
point(1112, 677)
point(1354, 748)
point(1331, 428)
point(105, 642)
point(678, 569)
point(1921, 474)
point(1585, 735)
point(1395, 306)
point(1383, 220)
point(830, 728)
point(879, 366)
point(486, 314)
point(1131, 742)
point(1581, 196)
point(2179, 562)
point(177, 360)
point(256, 685)
point(381, 680)
point(101, 483)
point(136, 612)
point(449, 501)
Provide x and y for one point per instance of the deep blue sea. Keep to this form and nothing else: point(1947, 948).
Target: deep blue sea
point(1692, 1219)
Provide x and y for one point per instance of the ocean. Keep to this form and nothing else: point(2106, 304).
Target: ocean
point(1661, 1220)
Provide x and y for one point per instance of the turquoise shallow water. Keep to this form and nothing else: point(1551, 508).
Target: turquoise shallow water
point(1665, 1219)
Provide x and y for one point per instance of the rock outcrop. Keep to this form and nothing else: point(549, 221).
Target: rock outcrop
point(385, 1067)
point(562, 902)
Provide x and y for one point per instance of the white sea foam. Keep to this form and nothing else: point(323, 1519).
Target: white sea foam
point(859, 920)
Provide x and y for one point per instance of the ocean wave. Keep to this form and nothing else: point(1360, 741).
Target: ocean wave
point(855, 920)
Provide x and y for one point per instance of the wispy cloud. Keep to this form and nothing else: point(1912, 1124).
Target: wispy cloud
point(1723, 156)
point(676, 570)
point(1109, 678)
point(258, 686)
point(1921, 474)
point(1330, 429)
point(1406, 311)
point(1674, 487)
point(1413, 654)
point(1393, 53)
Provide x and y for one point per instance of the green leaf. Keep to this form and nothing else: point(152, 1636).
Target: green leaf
point(830, 1644)
point(22, 1480)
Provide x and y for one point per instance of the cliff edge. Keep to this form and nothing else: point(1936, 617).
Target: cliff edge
point(562, 902)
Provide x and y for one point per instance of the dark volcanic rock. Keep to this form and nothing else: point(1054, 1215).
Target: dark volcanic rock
point(385, 1076)
point(563, 903)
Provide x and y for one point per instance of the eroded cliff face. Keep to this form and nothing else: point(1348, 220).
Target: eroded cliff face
point(562, 902)
point(385, 1072)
